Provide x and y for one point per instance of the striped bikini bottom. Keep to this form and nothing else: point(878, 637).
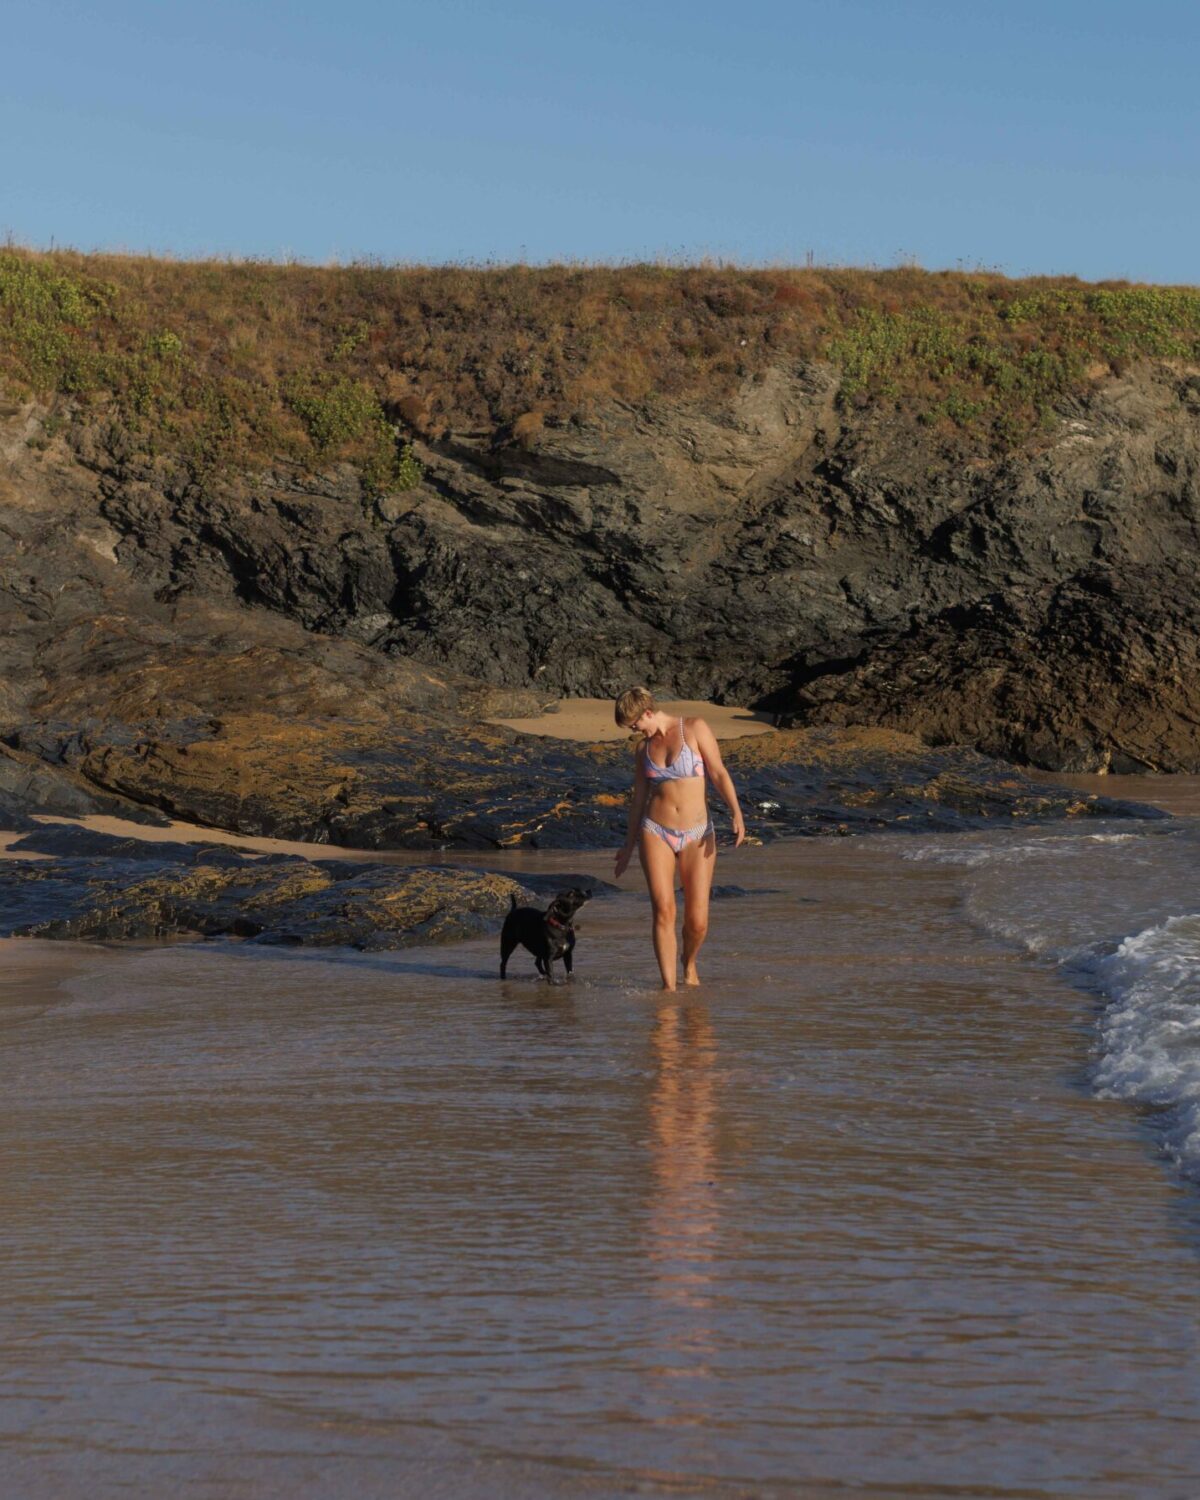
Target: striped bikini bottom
point(678, 839)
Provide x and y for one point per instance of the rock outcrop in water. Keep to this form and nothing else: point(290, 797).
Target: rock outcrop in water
point(65, 881)
point(99, 887)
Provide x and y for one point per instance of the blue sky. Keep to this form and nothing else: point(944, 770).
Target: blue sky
point(1033, 137)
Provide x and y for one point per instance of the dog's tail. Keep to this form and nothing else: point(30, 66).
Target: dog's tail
point(513, 898)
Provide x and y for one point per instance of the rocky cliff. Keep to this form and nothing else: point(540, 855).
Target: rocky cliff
point(294, 648)
point(286, 654)
point(838, 565)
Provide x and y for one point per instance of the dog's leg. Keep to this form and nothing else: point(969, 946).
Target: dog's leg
point(507, 944)
point(567, 958)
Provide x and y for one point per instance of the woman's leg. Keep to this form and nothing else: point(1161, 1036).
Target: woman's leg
point(658, 863)
point(697, 864)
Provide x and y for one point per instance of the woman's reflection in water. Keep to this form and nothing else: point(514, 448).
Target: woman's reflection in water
point(683, 1212)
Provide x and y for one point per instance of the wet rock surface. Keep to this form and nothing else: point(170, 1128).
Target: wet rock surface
point(93, 885)
point(99, 887)
point(412, 784)
point(824, 781)
point(406, 782)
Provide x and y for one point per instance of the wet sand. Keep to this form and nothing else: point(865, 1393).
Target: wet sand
point(1179, 795)
point(281, 1223)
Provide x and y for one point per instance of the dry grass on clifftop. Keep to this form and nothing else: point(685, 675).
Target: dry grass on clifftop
point(237, 363)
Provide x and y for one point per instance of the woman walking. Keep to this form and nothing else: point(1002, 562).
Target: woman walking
point(669, 823)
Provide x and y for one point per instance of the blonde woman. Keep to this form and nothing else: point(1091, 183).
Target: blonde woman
point(669, 823)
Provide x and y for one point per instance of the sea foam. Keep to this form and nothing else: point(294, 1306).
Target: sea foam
point(1150, 1031)
point(1117, 912)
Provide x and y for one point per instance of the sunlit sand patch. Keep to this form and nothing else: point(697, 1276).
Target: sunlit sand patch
point(191, 833)
point(591, 720)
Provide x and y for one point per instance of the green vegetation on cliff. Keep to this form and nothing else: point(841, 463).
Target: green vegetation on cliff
point(236, 363)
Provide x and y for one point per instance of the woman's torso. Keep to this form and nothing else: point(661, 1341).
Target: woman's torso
point(676, 789)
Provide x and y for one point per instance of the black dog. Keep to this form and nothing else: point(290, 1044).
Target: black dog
point(547, 934)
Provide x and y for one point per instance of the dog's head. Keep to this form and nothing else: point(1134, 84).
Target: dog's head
point(564, 906)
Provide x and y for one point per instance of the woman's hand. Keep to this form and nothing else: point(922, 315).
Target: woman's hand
point(720, 778)
point(624, 855)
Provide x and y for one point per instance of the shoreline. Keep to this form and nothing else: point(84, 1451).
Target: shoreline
point(1177, 795)
point(103, 878)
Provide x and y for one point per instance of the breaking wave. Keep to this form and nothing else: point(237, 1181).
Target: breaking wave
point(1118, 913)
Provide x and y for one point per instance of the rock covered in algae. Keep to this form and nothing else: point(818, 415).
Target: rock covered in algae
point(276, 899)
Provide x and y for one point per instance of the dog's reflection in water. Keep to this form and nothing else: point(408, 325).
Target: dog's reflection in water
point(547, 934)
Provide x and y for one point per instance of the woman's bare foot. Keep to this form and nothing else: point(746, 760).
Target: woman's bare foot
point(691, 976)
point(668, 989)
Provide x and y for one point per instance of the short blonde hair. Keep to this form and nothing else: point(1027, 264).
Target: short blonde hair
point(632, 705)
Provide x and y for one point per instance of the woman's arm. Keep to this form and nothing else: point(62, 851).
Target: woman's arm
point(706, 742)
point(636, 803)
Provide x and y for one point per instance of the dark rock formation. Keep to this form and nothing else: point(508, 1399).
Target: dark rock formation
point(123, 889)
point(749, 553)
point(285, 656)
point(408, 784)
point(403, 781)
point(824, 781)
point(1093, 674)
point(27, 785)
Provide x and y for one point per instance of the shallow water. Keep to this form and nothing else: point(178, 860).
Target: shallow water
point(853, 1216)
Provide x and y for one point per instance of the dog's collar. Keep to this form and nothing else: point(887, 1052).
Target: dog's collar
point(554, 921)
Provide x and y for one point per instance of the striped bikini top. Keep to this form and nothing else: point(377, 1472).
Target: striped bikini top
point(687, 763)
